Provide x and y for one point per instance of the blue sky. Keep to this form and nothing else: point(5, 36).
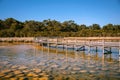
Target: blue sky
point(85, 12)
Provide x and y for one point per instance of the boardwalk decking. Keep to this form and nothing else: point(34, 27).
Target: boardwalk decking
point(17, 39)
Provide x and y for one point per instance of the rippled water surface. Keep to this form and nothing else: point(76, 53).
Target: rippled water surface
point(32, 62)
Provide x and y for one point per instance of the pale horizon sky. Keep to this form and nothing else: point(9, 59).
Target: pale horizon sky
point(86, 12)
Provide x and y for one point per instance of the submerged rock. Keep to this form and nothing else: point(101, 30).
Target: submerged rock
point(25, 71)
point(41, 64)
point(14, 67)
point(92, 71)
point(37, 70)
point(17, 72)
point(22, 67)
point(91, 66)
point(6, 71)
point(13, 78)
point(35, 79)
point(43, 78)
point(20, 75)
point(64, 72)
point(54, 66)
point(42, 74)
point(63, 67)
point(23, 78)
point(83, 71)
point(5, 62)
point(31, 74)
point(2, 74)
point(76, 68)
point(8, 76)
point(73, 72)
point(104, 69)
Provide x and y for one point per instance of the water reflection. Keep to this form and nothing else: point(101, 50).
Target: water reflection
point(34, 61)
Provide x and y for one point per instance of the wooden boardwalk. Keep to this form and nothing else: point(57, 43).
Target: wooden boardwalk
point(80, 41)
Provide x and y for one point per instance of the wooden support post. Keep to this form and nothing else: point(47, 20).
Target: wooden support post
point(48, 47)
point(56, 43)
point(119, 55)
point(89, 46)
point(42, 48)
point(66, 44)
point(56, 47)
point(110, 49)
point(75, 45)
point(34, 48)
point(66, 50)
point(96, 49)
point(103, 46)
point(75, 48)
point(119, 51)
point(63, 44)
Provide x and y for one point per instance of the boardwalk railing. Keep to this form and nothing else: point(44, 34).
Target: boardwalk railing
point(92, 41)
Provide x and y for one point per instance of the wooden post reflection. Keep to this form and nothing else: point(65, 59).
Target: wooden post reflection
point(89, 46)
point(34, 45)
point(103, 52)
point(75, 48)
point(96, 49)
point(119, 51)
point(119, 56)
point(56, 47)
point(42, 49)
point(66, 51)
point(48, 47)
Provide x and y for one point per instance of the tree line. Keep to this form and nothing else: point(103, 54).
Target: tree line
point(11, 27)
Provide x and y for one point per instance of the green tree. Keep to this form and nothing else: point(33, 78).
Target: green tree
point(95, 27)
point(108, 27)
point(81, 27)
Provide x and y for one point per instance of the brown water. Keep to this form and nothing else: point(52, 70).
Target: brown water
point(32, 62)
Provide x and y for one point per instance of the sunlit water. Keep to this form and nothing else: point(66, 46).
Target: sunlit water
point(30, 61)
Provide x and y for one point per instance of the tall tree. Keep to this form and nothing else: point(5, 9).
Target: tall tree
point(108, 27)
point(95, 27)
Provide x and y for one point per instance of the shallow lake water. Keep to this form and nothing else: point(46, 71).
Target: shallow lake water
point(32, 62)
